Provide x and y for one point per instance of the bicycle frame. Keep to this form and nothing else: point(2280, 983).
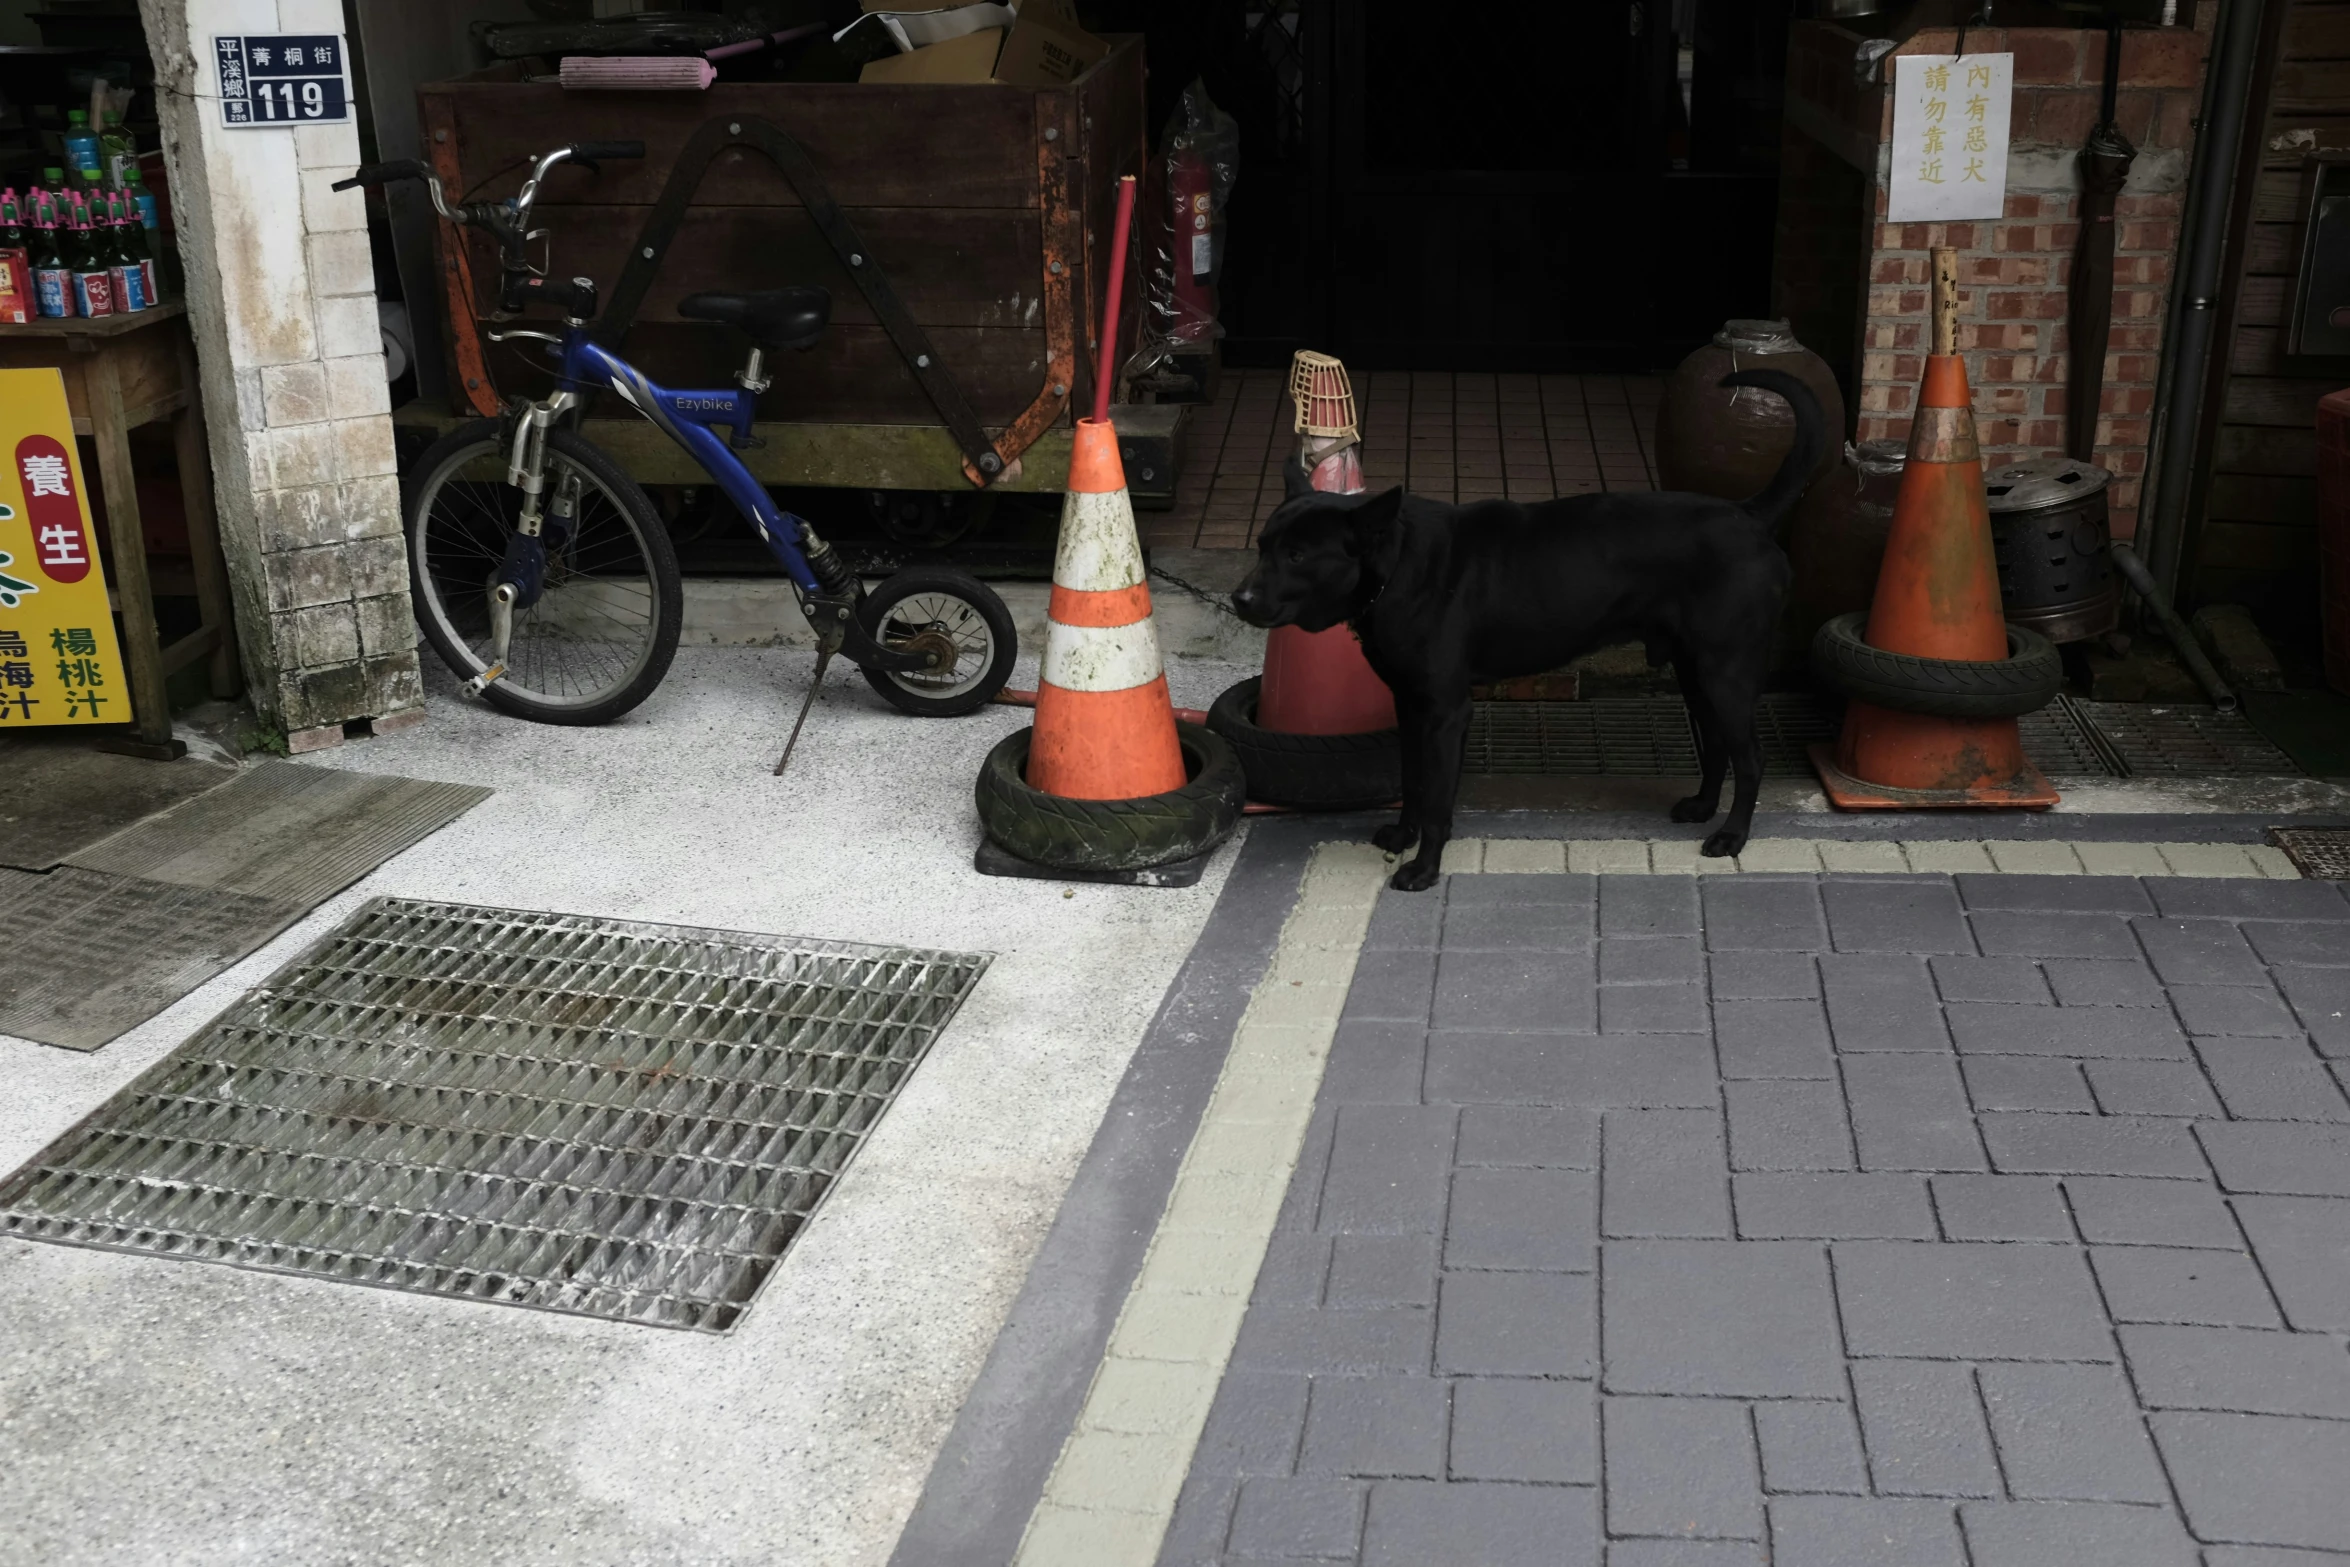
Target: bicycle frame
point(691, 419)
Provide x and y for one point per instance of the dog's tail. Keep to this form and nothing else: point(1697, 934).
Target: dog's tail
point(1811, 439)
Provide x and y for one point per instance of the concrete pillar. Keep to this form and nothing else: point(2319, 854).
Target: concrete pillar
point(281, 297)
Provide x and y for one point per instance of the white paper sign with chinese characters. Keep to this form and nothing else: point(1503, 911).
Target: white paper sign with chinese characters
point(1950, 114)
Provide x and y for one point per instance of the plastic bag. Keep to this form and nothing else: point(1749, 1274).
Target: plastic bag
point(1199, 159)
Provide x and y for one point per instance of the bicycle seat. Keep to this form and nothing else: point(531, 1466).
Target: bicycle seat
point(772, 318)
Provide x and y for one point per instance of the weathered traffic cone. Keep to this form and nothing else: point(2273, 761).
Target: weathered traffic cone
point(1106, 786)
point(1318, 682)
point(1105, 726)
point(1937, 602)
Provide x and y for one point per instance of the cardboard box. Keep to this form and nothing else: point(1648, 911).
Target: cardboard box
point(1039, 54)
point(1043, 48)
point(970, 58)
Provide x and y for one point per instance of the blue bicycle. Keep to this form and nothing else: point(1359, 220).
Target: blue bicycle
point(543, 575)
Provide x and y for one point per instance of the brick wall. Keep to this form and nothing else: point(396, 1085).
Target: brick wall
point(2014, 270)
point(282, 301)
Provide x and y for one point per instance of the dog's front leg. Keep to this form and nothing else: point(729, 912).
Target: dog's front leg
point(1402, 833)
point(1438, 738)
point(1712, 761)
point(1736, 734)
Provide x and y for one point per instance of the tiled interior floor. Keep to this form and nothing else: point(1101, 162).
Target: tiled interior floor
point(1449, 436)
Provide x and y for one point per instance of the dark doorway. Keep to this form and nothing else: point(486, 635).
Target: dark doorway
point(1522, 185)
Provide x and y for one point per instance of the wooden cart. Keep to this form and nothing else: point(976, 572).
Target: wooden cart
point(984, 210)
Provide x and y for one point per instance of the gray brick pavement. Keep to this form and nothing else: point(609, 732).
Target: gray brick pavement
point(1987, 1221)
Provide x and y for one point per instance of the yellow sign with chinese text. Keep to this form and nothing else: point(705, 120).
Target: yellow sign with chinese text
point(59, 660)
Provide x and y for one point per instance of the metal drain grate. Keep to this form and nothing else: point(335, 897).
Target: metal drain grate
point(2064, 744)
point(2320, 853)
point(619, 1120)
point(1649, 737)
point(1636, 737)
point(2187, 742)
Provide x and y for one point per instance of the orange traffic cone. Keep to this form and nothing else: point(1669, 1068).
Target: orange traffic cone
point(1937, 597)
point(1319, 682)
point(1105, 726)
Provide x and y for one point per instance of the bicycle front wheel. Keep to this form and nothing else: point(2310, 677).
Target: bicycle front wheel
point(601, 634)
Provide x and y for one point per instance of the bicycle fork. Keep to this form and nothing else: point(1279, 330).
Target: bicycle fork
point(522, 574)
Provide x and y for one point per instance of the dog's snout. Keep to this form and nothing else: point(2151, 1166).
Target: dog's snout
point(1248, 600)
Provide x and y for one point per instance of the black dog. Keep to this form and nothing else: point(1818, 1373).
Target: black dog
point(1446, 597)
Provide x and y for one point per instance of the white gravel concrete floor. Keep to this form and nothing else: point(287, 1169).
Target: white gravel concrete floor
point(157, 1411)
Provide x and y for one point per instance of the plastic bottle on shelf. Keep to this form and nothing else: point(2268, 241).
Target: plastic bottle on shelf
point(135, 186)
point(134, 288)
point(81, 143)
point(16, 272)
point(93, 278)
point(52, 278)
point(118, 154)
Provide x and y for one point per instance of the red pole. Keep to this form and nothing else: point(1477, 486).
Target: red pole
point(1105, 360)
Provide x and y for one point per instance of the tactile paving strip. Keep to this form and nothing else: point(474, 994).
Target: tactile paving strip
point(2322, 853)
point(619, 1120)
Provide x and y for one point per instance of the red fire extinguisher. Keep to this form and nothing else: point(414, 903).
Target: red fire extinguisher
point(1192, 224)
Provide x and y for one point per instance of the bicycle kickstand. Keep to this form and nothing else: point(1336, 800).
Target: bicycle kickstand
point(823, 662)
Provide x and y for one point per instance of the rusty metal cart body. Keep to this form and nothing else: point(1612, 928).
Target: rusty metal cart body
point(963, 231)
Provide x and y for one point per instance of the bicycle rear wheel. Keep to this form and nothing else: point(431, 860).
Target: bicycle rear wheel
point(600, 635)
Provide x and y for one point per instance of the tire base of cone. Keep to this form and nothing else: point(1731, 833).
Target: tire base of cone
point(1937, 598)
point(994, 860)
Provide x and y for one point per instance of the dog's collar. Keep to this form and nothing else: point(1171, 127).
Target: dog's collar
point(1361, 616)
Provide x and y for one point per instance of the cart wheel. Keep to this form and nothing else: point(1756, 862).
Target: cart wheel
point(937, 608)
point(928, 519)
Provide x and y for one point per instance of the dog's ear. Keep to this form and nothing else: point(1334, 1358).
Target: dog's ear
point(1295, 481)
point(1373, 522)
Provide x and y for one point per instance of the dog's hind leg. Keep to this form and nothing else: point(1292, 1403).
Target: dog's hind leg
point(1735, 735)
point(1712, 759)
point(1404, 831)
point(1439, 738)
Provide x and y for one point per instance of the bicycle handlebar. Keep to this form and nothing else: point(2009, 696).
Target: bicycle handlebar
point(508, 222)
point(384, 173)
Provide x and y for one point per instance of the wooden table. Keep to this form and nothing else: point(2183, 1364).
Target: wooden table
point(122, 372)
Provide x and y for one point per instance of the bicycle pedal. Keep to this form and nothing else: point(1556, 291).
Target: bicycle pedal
point(481, 682)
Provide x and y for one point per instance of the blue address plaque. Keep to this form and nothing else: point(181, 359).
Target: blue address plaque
point(281, 79)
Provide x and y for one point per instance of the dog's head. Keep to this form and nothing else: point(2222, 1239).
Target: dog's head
point(1312, 554)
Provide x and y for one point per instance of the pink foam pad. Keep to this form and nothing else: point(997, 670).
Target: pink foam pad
point(638, 74)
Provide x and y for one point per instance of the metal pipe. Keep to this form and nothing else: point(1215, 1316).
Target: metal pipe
point(2195, 304)
point(1105, 359)
point(2134, 572)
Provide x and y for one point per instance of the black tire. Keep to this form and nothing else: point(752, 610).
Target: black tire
point(2023, 682)
point(1112, 835)
point(1308, 772)
point(446, 555)
point(968, 613)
